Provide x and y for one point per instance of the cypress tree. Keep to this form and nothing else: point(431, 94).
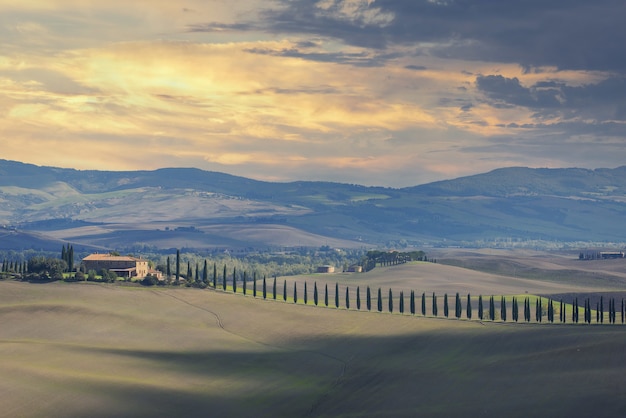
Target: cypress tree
point(575, 311)
point(468, 309)
point(285, 290)
point(492, 309)
point(234, 279)
point(177, 266)
point(480, 307)
point(245, 286)
point(224, 278)
point(70, 259)
point(380, 300)
point(214, 275)
point(412, 302)
point(446, 309)
point(514, 310)
point(358, 298)
point(326, 294)
point(623, 311)
point(295, 292)
point(205, 273)
point(254, 284)
point(336, 295)
point(390, 301)
point(197, 276)
point(315, 293)
point(274, 288)
point(347, 298)
point(423, 303)
point(264, 288)
point(503, 308)
point(601, 309)
point(401, 303)
point(435, 308)
point(306, 296)
point(368, 299)
point(526, 309)
point(550, 311)
point(457, 306)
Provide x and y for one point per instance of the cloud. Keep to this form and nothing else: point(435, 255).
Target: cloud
point(602, 101)
point(567, 34)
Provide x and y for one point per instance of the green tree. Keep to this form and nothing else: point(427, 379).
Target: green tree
point(295, 292)
point(285, 290)
point(390, 302)
point(435, 308)
point(424, 304)
point(177, 266)
point(234, 279)
point(214, 275)
point(503, 308)
point(336, 295)
point(412, 302)
point(168, 269)
point(368, 299)
point(538, 313)
point(480, 307)
point(205, 273)
point(401, 302)
point(380, 300)
point(358, 298)
point(254, 285)
point(315, 293)
point(446, 309)
point(306, 297)
point(492, 309)
point(347, 298)
point(245, 285)
point(326, 294)
point(457, 306)
point(224, 278)
point(468, 308)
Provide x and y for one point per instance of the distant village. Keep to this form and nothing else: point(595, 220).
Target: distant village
point(600, 255)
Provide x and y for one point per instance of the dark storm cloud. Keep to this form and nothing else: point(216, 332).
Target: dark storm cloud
point(601, 101)
point(568, 34)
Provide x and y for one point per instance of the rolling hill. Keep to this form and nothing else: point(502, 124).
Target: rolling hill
point(74, 350)
point(184, 207)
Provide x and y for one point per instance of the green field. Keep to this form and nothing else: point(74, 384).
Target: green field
point(73, 350)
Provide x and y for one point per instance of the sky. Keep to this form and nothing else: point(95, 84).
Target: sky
point(374, 92)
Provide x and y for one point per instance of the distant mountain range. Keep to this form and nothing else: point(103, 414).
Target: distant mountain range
point(191, 208)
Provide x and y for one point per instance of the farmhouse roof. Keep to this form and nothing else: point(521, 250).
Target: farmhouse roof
point(109, 257)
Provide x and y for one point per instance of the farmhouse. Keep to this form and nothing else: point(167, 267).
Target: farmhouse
point(326, 269)
point(123, 266)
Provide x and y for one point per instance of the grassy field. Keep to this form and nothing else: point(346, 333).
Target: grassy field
point(71, 350)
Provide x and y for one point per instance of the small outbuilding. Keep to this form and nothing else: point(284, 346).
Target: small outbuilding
point(326, 269)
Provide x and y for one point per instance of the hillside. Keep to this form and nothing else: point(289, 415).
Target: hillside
point(72, 350)
point(184, 207)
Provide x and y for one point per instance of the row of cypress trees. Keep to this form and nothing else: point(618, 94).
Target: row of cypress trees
point(490, 312)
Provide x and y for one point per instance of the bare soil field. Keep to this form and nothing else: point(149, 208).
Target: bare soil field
point(73, 350)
